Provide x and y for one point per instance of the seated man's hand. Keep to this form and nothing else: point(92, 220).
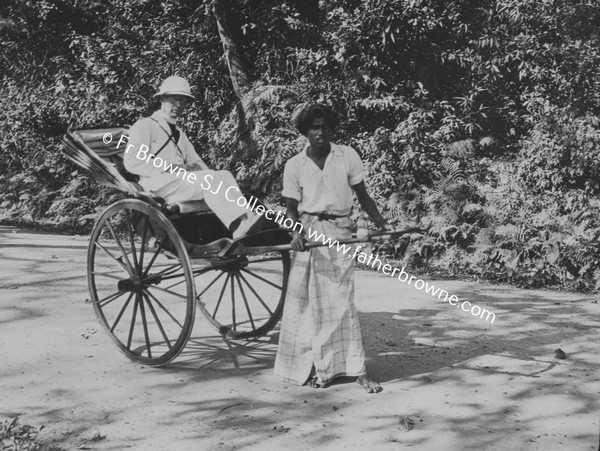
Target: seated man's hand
point(194, 167)
point(297, 242)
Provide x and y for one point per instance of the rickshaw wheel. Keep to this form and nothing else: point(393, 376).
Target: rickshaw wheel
point(141, 282)
point(243, 296)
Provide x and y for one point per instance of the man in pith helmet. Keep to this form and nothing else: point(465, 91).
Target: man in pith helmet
point(166, 140)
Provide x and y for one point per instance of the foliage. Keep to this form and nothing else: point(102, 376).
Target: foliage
point(477, 120)
point(562, 152)
point(18, 437)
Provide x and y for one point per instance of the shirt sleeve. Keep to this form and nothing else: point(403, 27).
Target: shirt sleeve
point(135, 157)
point(291, 182)
point(356, 170)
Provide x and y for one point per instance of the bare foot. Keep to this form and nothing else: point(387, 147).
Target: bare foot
point(369, 384)
point(313, 382)
point(313, 379)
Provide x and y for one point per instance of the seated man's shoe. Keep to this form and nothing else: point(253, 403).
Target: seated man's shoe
point(250, 225)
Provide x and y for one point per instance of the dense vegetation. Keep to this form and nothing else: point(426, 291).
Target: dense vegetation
point(478, 119)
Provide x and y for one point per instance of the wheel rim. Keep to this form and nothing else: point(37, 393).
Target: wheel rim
point(141, 282)
point(243, 297)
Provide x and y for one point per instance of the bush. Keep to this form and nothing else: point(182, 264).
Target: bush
point(478, 120)
point(561, 153)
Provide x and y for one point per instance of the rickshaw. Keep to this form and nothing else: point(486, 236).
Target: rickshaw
point(150, 264)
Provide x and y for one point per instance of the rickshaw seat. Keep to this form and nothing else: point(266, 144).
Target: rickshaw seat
point(100, 151)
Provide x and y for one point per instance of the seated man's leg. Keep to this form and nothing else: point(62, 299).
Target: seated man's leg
point(179, 190)
point(214, 191)
point(219, 197)
point(174, 190)
point(222, 197)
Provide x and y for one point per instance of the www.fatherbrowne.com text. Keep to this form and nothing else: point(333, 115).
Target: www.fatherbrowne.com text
point(232, 194)
point(403, 276)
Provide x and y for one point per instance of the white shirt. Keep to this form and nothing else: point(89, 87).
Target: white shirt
point(153, 132)
point(328, 190)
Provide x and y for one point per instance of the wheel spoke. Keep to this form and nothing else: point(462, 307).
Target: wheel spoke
point(198, 272)
point(173, 276)
point(210, 284)
point(108, 299)
point(266, 259)
point(233, 301)
point(164, 290)
point(175, 284)
point(133, 317)
point(245, 300)
point(158, 323)
point(130, 232)
point(144, 322)
point(123, 253)
point(263, 279)
point(221, 295)
point(167, 271)
point(211, 267)
point(167, 274)
point(143, 245)
point(153, 259)
point(120, 262)
point(163, 307)
point(107, 274)
point(132, 237)
point(256, 294)
point(121, 312)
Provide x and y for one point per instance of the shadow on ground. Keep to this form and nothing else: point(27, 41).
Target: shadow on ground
point(451, 381)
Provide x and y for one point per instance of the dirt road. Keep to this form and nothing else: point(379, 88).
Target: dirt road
point(451, 381)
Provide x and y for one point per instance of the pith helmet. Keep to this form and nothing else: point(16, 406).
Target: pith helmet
point(175, 85)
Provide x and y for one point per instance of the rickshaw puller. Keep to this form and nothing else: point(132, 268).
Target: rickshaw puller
point(320, 336)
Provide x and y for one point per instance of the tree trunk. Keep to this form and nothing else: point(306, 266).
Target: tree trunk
point(238, 71)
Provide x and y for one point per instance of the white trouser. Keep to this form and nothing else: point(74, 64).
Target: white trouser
point(212, 190)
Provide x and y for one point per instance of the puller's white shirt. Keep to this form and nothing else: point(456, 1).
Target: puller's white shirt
point(328, 190)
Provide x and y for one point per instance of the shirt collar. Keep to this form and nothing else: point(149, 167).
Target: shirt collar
point(335, 150)
point(160, 117)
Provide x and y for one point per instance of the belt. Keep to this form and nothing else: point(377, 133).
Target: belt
point(324, 216)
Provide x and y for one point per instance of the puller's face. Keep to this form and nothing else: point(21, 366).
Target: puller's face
point(173, 106)
point(319, 134)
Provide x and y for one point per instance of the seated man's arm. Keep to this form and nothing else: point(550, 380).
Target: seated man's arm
point(136, 157)
point(196, 166)
point(193, 162)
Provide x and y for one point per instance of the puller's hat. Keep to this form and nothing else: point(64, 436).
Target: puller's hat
point(175, 85)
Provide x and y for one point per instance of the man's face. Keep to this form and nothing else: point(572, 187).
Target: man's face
point(319, 134)
point(173, 106)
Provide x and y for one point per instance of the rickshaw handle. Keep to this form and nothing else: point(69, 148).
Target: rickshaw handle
point(372, 236)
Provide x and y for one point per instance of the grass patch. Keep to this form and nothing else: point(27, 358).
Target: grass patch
point(18, 437)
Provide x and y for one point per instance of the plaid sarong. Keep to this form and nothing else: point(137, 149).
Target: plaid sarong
point(320, 325)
